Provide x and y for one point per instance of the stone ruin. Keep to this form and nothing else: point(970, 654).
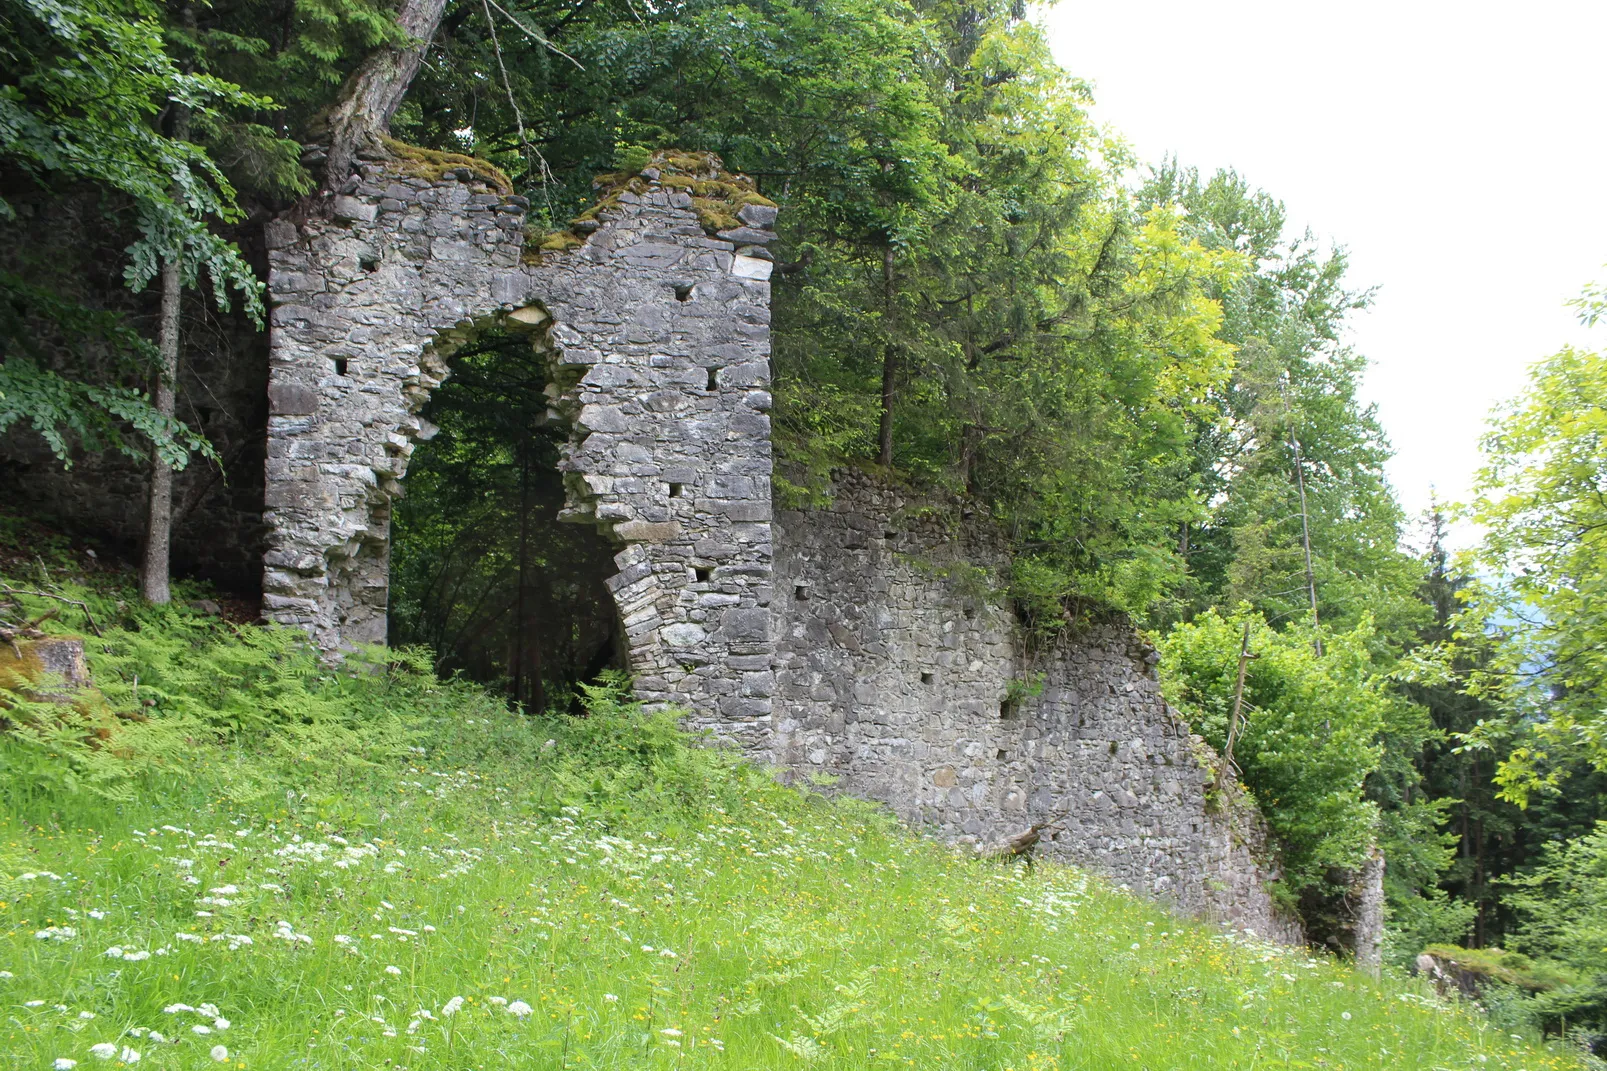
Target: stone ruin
point(849, 646)
point(835, 642)
point(657, 337)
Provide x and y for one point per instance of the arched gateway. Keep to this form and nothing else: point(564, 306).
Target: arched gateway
point(657, 336)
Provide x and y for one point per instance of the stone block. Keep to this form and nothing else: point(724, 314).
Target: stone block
point(355, 210)
point(647, 531)
point(758, 215)
point(287, 398)
point(751, 268)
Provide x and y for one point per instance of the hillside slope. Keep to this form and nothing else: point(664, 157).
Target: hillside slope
point(371, 869)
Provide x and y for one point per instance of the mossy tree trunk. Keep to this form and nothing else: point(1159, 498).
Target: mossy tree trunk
point(375, 90)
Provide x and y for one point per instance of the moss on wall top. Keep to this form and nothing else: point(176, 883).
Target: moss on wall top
point(717, 196)
point(435, 166)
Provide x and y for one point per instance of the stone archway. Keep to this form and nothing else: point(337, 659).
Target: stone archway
point(660, 347)
point(481, 569)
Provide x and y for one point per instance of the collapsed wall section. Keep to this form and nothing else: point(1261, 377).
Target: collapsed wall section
point(902, 675)
point(658, 336)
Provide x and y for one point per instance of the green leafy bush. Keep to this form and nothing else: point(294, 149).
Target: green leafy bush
point(1310, 732)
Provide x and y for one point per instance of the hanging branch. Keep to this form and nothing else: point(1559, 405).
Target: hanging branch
point(533, 35)
point(542, 170)
point(1234, 722)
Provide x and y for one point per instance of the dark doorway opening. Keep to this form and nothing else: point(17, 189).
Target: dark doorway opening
point(482, 570)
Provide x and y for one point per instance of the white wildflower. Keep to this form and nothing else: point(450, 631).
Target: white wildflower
point(220, 1023)
point(128, 1055)
point(64, 1064)
point(670, 1032)
point(104, 1051)
point(200, 1029)
point(86, 1015)
point(611, 998)
point(135, 957)
point(219, 1053)
point(96, 913)
point(114, 952)
point(210, 1011)
point(393, 970)
point(193, 937)
point(33, 1004)
point(499, 1001)
point(520, 1008)
point(6, 974)
point(1344, 1015)
point(174, 1009)
point(451, 1007)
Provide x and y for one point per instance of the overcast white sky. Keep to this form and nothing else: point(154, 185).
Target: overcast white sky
point(1459, 150)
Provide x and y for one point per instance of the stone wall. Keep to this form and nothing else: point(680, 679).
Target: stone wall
point(902, 675)
point(658, 344)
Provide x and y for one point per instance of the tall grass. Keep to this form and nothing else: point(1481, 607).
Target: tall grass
point(463, 887)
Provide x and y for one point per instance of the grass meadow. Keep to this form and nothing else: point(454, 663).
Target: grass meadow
point(593, 893)
point(229, 854)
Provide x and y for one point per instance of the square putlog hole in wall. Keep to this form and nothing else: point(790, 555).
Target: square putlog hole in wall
point(341, 366)
point(684, 291)
point(926, 678)
point(801, 592)
point(368, 264)
point(677, 490)
point(714, 379)
point(702, 574)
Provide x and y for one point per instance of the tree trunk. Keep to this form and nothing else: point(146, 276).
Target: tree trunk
point(1305, 540)
point(884, 435)
point(153, 577)
point(524, 580)
point(374, 91)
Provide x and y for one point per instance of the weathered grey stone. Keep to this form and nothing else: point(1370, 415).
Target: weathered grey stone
point(885, 666)
point(647, 531)
point(683, 635)
point(291, 399)
point(751, 268)
point(748, 236)
point(758, 215)
point(355, 210)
